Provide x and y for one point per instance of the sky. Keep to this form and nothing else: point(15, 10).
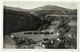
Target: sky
point(35, 4)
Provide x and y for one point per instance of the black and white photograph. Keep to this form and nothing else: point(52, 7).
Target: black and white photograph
point(39, 25)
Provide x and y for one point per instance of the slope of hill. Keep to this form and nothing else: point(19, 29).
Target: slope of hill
point(17, 9)
point(51, 7)
point(15, 20)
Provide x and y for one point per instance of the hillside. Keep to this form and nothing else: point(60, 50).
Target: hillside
point(52, 7)
point(15, 20)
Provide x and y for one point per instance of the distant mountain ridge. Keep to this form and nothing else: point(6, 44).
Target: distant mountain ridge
point(51, 7)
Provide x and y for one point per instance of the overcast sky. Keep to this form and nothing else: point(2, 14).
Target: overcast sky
point(35, 4)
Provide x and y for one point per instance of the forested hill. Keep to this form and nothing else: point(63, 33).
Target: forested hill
point(15, 20)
